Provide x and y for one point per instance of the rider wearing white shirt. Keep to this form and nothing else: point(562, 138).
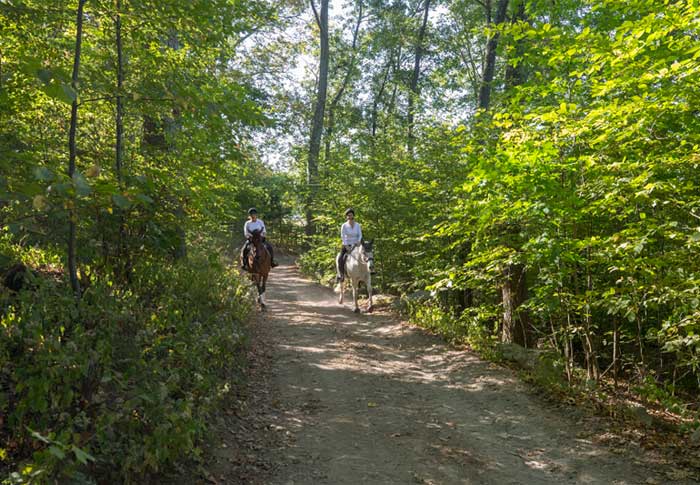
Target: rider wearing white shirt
point(350, 234)
point(255, 224)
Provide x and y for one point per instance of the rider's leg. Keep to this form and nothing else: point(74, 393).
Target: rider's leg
point(244, 254)
point(272, 254)
point(341, 264)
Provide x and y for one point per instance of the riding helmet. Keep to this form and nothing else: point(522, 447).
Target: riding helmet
point(349, 211)
point(252, 211)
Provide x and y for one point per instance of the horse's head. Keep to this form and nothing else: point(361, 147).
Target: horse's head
point(256, 238)
point(367, 253)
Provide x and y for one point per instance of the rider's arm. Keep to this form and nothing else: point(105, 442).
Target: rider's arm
point(359, 231)
point(343, 236)
point(263, 232)
point(246, 232)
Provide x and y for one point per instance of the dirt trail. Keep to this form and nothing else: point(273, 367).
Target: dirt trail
point(357, 399)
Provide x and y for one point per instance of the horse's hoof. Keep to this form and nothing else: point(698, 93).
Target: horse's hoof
point(370, 309)
point(356, 310)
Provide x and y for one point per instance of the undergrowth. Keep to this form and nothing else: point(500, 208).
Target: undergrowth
point(121, 384)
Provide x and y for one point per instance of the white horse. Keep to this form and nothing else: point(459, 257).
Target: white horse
point(359, 264)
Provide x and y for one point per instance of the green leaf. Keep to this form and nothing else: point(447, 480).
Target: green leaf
point(31, 189)
point(59, 92)
point(144, 199)
point(121, 201)
point(82, 187)
point(57, 452)
point(70, 93)
point(82, 456)
point(43, 174)
point(44, 75)
point(40, 437)
point(60, 189)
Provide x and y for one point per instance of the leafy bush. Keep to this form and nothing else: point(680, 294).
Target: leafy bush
point(127, 377)
point(319, 262)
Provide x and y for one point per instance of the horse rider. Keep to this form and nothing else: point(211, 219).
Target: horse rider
point(351, 235)
point(254, 224)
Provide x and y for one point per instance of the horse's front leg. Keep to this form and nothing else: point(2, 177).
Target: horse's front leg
point(342, 292)
point(369, 292)
point(355, 285)
point(261, 291)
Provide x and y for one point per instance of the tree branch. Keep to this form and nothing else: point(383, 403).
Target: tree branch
point(318, 19)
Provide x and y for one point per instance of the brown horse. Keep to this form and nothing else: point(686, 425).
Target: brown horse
point(259, 264)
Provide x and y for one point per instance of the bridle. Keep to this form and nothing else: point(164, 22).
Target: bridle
point(369, 260)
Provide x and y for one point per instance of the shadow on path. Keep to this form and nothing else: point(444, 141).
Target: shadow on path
point(366, 399)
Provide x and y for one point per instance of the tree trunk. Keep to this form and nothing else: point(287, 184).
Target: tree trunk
point(484, 101)
point(122, 264)
point(120, 107)
point(343, 86)
point(515, 74)
point(414, 91)
point(396, 76)
point(378, 96)
point(516, 326)
point(72, 213)
point(317, 125)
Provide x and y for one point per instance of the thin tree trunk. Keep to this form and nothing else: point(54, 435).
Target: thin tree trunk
point(515, 74)
point(591, 351)
point(484, 101)
point(343, 86)
point(396, 76)
point(72, 213)
point(414, 91)
point(375, 103)
point(120, 107)
point(122, 263)
point(516, 321)
point(616, 351)
point(317, 125)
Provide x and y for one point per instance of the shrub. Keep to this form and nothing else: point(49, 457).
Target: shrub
point(123, 383)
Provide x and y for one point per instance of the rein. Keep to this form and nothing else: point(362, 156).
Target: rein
point(360, 258)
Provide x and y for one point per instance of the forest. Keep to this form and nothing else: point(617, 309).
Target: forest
point(529, 171)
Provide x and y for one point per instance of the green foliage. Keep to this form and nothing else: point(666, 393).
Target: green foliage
point(319, 263)
point(130, 373)
point(584, 173)
point(473, 326)
point(127, 377)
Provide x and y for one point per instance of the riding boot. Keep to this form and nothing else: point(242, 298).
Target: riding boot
point(244, 258)
point(341, 268)
point(273, 263)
